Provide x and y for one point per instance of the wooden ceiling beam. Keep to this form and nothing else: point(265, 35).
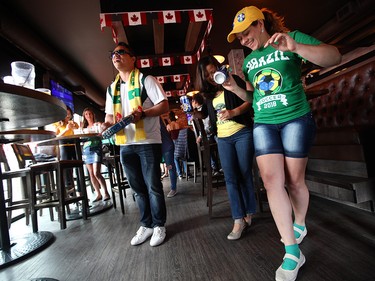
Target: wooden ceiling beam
point(158, 37)
point(192, 36)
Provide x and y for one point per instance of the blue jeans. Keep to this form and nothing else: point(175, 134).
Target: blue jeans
point(236, 154)
point(169, 161)
point(178, 166)
point(142, 168)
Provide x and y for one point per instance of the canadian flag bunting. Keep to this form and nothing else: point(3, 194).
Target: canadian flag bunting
point(169, 17)
point(134, 18)
point(168, 93)
point(187, 59)
point(166, 61)
point(203, 45)
point(114, 35)
point(176, 78)
point(198, 55)
point(105, 20)
point(181, 92)
point(161, 79)
point(142, 63)
point(209, 26)
point(200, 15)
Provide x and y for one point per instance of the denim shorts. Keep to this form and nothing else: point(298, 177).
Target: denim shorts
point(292, 139)
point(92, 155)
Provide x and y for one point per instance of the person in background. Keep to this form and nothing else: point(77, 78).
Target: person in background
point(140, 141)
point(174, 128)
point(231, 121)
point(164, 169)
point(67, 149)
point(93, 155)
point(173, 124)
point(284, 128)
point(199, 105)
point(167, 149)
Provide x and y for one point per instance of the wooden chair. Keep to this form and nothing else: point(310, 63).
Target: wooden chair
point(117, 179)
point(45, 191)
point(8, 175)
point(209, 181)
point(185, 150)
point(62, 199)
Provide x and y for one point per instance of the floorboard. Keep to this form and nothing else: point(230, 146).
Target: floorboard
point(340, 245)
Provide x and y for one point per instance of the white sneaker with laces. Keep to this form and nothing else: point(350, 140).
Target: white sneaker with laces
point(158, 236)
point(141, 236)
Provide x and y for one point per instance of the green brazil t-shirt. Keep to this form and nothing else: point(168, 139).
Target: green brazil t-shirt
point(276, 77)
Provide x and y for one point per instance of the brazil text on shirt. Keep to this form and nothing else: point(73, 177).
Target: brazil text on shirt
point(264, 60)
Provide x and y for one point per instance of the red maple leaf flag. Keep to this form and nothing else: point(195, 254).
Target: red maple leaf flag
point(200, 15)
point(105, 20)
point(142, 63)
point(176, 78)
point(134, 18)
point(181, 92)
point(166, 61)
point(169, 17)
point(168, 93)
point(187, 59)
point(161, 79)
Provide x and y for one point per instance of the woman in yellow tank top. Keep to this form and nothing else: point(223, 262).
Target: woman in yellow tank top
point(231, 121)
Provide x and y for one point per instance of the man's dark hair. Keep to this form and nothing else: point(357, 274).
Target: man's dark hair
point(198, 98)
point(130, 50)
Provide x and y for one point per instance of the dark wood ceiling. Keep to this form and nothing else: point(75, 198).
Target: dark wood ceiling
point(65, 37)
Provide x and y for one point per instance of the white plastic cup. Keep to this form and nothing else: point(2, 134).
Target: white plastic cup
point(23, 74)
point(8, 79)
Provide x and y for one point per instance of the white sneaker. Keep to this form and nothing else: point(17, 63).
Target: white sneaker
point(290, 275)
point(142, 234)
point(172, 193)
point(158, 236)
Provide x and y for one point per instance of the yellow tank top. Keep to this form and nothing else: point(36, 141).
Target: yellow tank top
point(225, 128)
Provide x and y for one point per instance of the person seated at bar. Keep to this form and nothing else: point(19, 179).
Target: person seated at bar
point(93, 155)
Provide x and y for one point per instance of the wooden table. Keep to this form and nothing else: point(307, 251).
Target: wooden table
point(25, 135)
point(24, 108)
point(76, 139)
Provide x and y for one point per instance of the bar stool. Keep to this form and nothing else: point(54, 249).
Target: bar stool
point(208, 179)
point(117, 179)
point(8, 175)
point(25, 158)
point(61, 200)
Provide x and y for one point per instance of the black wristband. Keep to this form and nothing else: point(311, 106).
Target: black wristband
point(143, 115)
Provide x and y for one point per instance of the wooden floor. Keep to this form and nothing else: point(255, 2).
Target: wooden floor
point(340, 245)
